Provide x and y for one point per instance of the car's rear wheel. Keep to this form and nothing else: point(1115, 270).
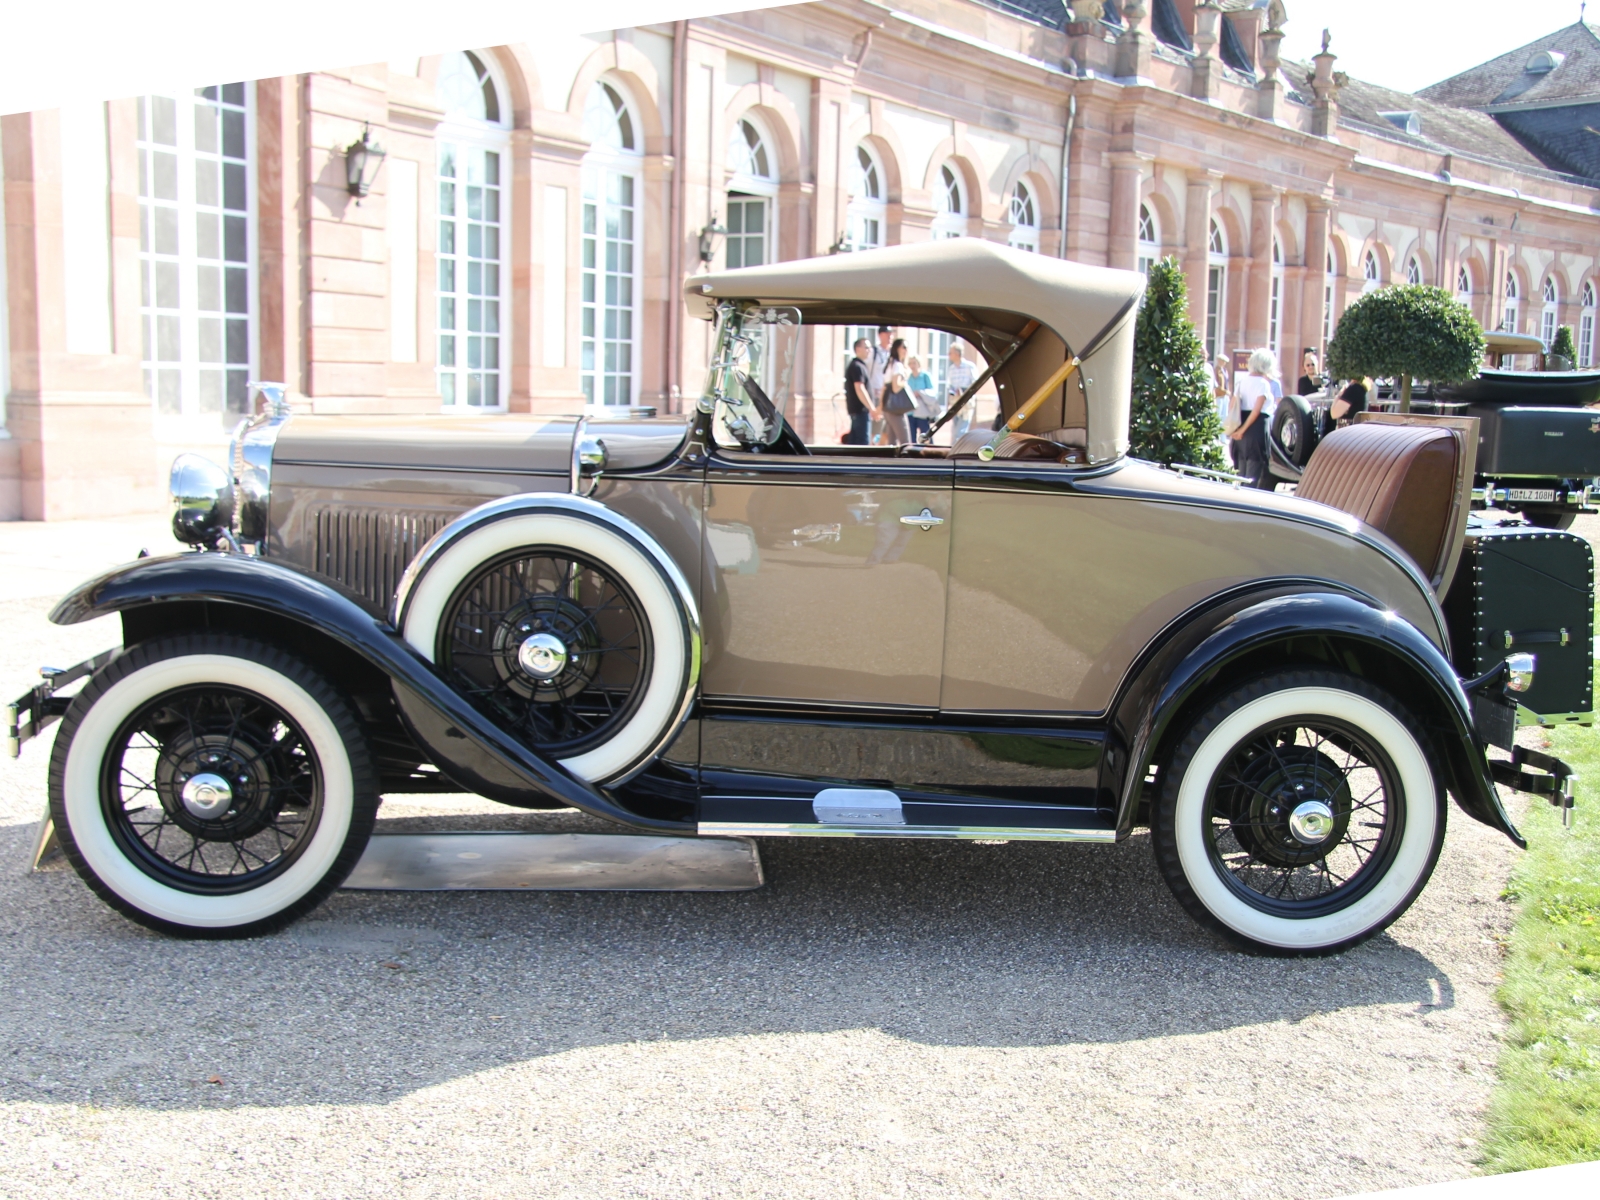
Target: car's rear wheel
point(1300, 813)
point(211, 786)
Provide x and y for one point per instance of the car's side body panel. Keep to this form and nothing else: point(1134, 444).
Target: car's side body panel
point(828, 596)
point(1058, 586)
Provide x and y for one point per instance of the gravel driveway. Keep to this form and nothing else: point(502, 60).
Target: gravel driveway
point(882, 1019)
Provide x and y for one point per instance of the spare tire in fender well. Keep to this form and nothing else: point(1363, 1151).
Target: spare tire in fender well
point(1261, 632)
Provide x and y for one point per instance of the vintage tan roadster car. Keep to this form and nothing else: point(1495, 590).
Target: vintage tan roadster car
point(701, 624)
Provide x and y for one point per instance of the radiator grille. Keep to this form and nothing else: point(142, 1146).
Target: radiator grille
point(368, 549)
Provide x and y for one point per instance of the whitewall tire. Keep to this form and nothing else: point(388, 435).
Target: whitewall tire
point(1300, 813)
point(566, 631)
point(211, 786)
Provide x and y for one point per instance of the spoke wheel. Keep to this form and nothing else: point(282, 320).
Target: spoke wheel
point(1300, 813)
point(211, 785)
point(549, 644)
point(211, 789)
point(1302, 816)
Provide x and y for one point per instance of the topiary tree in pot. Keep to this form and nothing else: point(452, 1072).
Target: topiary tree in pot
point(1562, 345)
point(1174, 417)
point(1407, 331)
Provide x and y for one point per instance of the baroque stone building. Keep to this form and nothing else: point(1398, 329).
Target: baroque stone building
point(523, 240)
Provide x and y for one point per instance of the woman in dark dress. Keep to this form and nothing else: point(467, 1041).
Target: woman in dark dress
point(1351, 401)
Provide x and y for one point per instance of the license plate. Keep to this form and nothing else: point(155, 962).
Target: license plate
point(1533, 495)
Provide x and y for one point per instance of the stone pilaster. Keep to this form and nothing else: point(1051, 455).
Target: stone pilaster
point(1319, 216)
point(1263, 218)
point(1196, 242)
point(1127, 171)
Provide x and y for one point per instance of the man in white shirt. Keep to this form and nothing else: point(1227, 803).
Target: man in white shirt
point(958, 377)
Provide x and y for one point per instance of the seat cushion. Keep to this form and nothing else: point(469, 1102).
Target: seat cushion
point(1012, 445)
point(1400, 479)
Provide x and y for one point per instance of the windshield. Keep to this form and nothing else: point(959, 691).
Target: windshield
point(752, 374)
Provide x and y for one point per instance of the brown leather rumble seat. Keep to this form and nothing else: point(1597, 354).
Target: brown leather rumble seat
point(1402, 479)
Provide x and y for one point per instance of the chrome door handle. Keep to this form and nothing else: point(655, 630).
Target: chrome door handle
point(925, 519)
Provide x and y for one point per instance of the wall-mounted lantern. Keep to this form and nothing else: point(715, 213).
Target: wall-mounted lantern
point(708, 246)
point(362, 158)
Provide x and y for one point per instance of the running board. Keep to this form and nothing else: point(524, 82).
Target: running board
point(969, 833)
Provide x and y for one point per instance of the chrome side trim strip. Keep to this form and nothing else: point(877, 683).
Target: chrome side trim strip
point(946, 832)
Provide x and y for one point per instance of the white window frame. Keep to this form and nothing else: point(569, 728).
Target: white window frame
point(1413, 270)
point(1216, 288)
point(468, 133)
point(1024, 216)
point(1371, 273)
point(1329, 291)
point(1275, 301)
point(599, 164)
point(950, 204)
point(190, 422)
point(1513, 303)
point(1549, 313)
point(747, 183)
point(1147, 240)
point(1586, 324)
point(867, 214)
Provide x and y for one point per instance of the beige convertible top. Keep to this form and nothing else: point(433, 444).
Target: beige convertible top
point(987, 293)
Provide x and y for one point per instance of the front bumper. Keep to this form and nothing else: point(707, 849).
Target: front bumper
point(31, 713)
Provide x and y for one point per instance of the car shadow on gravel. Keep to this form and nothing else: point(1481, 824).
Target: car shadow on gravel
point(378, 994)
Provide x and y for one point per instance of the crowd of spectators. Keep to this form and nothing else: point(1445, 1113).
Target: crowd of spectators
point(891, 399)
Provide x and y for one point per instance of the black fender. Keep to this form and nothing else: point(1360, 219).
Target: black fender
point(266, 586)
point(1299, 626)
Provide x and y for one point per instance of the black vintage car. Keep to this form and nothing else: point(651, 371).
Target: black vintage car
point(1538, 436)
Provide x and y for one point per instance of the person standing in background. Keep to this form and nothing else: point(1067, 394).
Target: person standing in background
point(1312, 380)
point(897, 403)
point(877, 368)
point(1256, 403)
point(921, 385)
point(858, 398)
point(958, 377)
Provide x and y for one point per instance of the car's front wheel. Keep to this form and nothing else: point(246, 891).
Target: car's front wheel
point(211, 786)
point(1300, 813)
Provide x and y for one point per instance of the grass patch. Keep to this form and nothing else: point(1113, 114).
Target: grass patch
point(1546, 1106)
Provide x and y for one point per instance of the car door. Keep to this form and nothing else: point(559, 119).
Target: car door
point(825, 581)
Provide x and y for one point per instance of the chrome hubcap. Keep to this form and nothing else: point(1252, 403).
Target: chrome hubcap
point(207, 796)
point(544, 656)
point(1311, 822)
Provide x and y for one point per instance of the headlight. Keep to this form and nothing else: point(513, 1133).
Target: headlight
point(202, 500)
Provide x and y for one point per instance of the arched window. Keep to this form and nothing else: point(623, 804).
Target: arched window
point(866, 212)
point(1370, 278)
point(613, 185)
point(473, 178)
point(1149, 249)
point(196, 260)
point(1216, 288)
point(1547, 315)
point(1275, 301)
point(1024, 220)
point(467, 89)
point(950, 203)
point(751, 194)
point(1464, 286)
point(1586, 327)
point(1513, 297)
point(1329, 279)
point(1413, 270)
